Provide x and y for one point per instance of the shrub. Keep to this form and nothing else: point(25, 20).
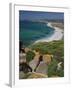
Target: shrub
point(29, 56)
point(52, 67)
point(60, 73)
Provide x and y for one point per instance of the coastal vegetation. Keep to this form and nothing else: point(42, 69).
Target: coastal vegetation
point(52, 69)
point(55, 48)
point(29, 56)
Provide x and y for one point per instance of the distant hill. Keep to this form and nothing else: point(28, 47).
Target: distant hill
point(45, 20)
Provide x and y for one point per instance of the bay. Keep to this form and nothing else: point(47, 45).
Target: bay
point(30, 31)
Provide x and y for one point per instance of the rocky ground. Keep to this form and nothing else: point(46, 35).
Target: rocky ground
point(41, 70)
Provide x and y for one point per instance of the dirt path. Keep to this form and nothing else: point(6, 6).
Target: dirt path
point(42, 68)
point(33, 64)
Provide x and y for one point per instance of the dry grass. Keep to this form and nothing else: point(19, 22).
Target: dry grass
point(31, 75)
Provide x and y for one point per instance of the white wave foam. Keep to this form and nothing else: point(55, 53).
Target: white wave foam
point(57, 35)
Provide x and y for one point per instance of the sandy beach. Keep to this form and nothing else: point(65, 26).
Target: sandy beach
point(58, 34)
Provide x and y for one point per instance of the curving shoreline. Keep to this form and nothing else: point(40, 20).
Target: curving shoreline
point(58, 34)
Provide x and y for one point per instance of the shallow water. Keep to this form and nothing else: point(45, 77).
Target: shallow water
point(30, 32)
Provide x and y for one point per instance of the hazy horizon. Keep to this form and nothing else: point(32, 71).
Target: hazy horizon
point(37, 15)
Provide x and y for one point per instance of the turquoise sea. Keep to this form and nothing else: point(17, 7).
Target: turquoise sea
point(31, 31)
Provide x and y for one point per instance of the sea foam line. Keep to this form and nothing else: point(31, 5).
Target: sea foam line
point(57, 35)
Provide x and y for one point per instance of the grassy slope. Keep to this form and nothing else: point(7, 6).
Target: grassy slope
point(56, 48)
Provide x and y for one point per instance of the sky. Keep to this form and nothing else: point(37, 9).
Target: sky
point(36, 15)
